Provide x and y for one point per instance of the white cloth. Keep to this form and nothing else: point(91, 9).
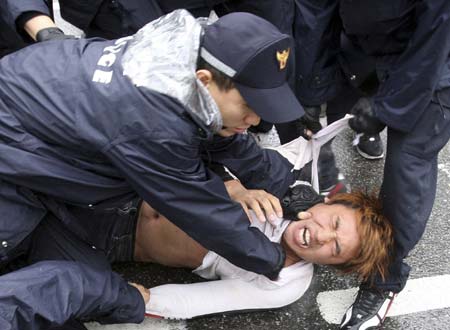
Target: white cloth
point(300, 151)
point(185, 301)
point(237, 289)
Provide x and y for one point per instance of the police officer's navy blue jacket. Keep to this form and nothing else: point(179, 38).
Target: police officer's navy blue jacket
point(133, 14)
point(408, 39)
point(56, 292)
point(88, 122)
point(106, 18)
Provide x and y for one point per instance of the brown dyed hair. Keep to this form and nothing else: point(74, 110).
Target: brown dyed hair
point(223, 82)
point(375, 232)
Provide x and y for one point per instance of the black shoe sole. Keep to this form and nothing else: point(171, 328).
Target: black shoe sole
point(367, 156)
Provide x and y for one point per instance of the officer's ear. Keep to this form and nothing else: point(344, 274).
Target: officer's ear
point(205, 76)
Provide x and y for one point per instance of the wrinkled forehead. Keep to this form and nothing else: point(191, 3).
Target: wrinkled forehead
point(333, 211)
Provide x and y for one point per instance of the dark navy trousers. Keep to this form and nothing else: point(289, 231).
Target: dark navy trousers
point(64, 280)
point(409, 183)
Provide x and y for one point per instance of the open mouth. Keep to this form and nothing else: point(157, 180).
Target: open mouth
point(240, 129)
point(306, 237)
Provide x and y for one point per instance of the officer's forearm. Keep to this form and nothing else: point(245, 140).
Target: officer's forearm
point(37, 23)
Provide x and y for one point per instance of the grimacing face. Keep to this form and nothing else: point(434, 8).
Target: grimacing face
point(237, 116)
point(328, 237)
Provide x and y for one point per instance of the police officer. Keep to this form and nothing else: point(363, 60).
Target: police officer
point(99, 18)
point(30, 21)
point(408, 41)
point(113, 19)
point(90, 122)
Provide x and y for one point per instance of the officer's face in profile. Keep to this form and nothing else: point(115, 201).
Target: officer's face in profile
point(328, 237)
point(237, 116)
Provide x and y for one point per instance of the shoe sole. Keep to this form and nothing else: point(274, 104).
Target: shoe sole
point(367, 156)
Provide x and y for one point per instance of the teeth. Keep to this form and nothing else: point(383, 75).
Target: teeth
point(306, 237)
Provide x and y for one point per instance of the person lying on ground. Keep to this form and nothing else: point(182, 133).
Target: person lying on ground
point(348, 232)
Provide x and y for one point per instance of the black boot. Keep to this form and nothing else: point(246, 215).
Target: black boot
point(370, 146)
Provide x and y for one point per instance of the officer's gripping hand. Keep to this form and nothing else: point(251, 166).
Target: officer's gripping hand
point(299, 198)
point(264, 205)
point(309, 124)
point(365, 119)
point(52, 33)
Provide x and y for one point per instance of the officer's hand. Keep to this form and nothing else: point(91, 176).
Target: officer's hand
point(264, 205)
point(52, 33)
point(143, 291)
point(309, 124)
point(299, 198)
point(365, 119)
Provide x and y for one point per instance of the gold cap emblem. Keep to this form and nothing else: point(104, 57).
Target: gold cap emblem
point(282, 58)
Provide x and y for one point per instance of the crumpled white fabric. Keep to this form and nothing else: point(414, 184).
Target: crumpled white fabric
point(301, 151)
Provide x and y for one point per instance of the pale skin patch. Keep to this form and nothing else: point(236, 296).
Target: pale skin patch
point(37, 23)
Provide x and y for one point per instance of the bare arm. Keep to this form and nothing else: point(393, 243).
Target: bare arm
point(37, 23)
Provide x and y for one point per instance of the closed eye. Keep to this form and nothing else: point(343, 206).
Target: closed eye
point(338, 247)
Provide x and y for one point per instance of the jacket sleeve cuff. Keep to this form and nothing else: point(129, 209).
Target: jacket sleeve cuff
point(220, 171)
point(131, 307)
point(273, 276)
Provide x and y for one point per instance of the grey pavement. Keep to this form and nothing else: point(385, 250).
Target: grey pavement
point(430, 258)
